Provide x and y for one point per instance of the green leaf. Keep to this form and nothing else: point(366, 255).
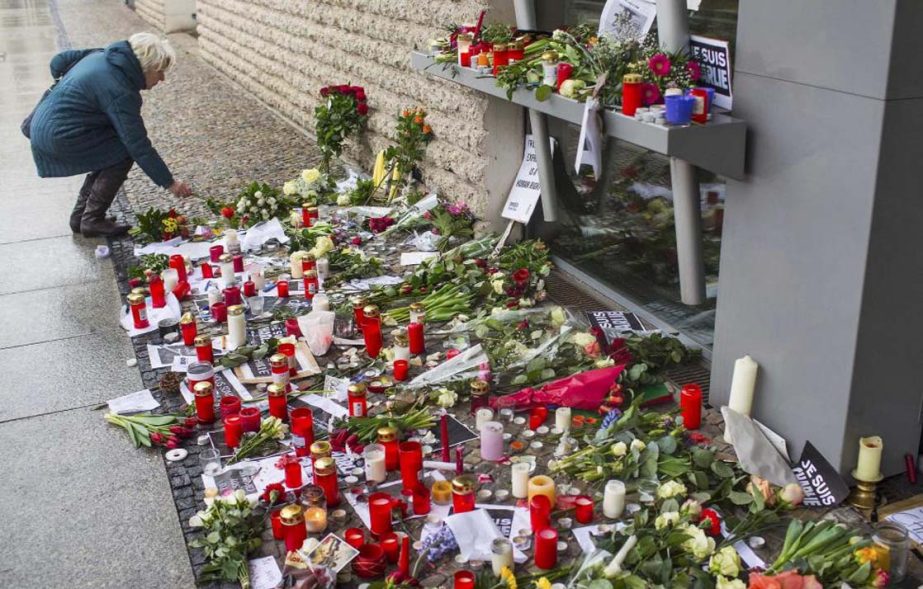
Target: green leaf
point(213, 538)
point(667, 444)
point(543, 93)
point(600, 584)
point(722, 469)
point(740, 498)
point(702, 457)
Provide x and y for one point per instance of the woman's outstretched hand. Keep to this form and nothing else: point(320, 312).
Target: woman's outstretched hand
point(180, 188)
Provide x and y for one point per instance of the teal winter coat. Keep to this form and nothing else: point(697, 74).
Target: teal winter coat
point(92, 118)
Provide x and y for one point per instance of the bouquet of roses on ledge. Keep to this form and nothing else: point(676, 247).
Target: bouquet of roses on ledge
point(343, 114)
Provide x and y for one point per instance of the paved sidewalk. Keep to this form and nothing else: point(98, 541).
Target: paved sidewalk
point(79, 507)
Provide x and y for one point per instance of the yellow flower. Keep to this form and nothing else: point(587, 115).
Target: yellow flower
point(507, 577)
point(310, 176)
point(170, 225)
point(543, 583)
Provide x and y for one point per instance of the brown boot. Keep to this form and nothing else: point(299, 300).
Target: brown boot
point(104, 187)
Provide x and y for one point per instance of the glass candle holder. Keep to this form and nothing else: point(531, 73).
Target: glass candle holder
point(315, 519)
point(293, 472)
point(229, 406)
point(690, 403)
point(287, 349)
point(411, 462)
point(614, 499)
point(583, 509)
point(207, 271)
point(895, 542)
point(387, 437)
point(325, 477)
point(278, 367)
point(371, 330)
point(501, 555)
point(380, 505)
point(158, 291)
point(302, 429)
point(401, 370)
point(480, 394)
point(249, 289)
point(421, 500)
point(520, 479)
point(464, 580)
point(415, 338)
point(463, 493)
point(138, 307)
point(204, 402)
point(278, 401)
point(214, 253)
point(233, 430)
point(278, 532)
point(355, 537)
point(188, 329)
point(250, 419)
point(294, 530)
point(546, 548)
point(282, 289)
point(492, 441)
point(539, 512)
point(374, 455)
point(178, 263)
point(356, 399)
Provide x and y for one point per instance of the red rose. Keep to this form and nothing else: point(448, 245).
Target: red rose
point(227, 212)
point(343, 89)
point(273, 488)
point(355, 90)
point(714, 522)
point(362, 108)
point(360, 95)
point(356, 240)
point(325, 91)
point(521, 276)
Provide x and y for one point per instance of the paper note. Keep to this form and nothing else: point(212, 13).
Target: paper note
point(134, 402)
point(264, 573)
point(415, 258)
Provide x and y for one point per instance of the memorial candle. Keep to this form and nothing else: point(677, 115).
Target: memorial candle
point(286, 347)
point(411, 462)
point(690, 403)
point(401, 370)
point(226, 262)
point(371, 330)
point(421, 497)
point(138, 307)
point(417, 313)
point(204, 402)
point(188, 329)
point(158, 294)
point(302, 429)
point(237, 327)
point(178, 263)
point(403, 565)
point(444, 436)
point(229, 406)
point(743, 384)
point(520, 479)
point(583, 511)
point(220, 312)
point(501, 555)
point(463, 488)
point(542, 485)
point(278, 403)
point(539, 512)
point(233, 429)
point(278, 366)
point(356, 399)
point(296, 268)
point(214, 253)
point(249, 289)
point(308, 262)
point(238, 261)
point(480, 394)
point(293, 526)
point(278, 532)
point(374, 455)
point(293, 472)
point(415, 337)
point(198, 372)
point(391, 546)
point(401, 346)
point(259, 281)
point(170, 279)
point(282, 288)
point(387, 437)
point(232, 241)
point(315, 519)
point(482, 416)
point(380, 513)
point(207, 271)
point(305, 214)
point(614, 499)
point(310, 284)
point(232, 295)
point(355, 537)
point(203, 349)
point(358, 314)
point(442, 492)
point(323, 269)
point(869, 466)
point(464, 580)
point(546, 548)
point(492, 441)
point(250, 418)
point(562, 416)
point(325, 477)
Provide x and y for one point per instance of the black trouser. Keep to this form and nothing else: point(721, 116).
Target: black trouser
point(98, 192)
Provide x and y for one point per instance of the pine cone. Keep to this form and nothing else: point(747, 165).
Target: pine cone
point(169, 383)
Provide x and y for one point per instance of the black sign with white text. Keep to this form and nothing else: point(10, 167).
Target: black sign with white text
point(714, 58)
point(822, 484)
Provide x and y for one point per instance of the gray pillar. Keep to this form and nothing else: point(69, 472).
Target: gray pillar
point(821, 264)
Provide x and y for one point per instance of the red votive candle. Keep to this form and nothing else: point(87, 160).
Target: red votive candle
point(411, 459)
point(214, 253)
point(355, 537)
point(188, 329)
point(415, 337)
point(278, 401)
point(358, 314)
point(370, 562)
point(220, 312)
point(232, 296)
point(233, 429)
point(403, 565)
point(546, 548)
point(356, 399)
point(391, 545)
point(380, 513)
point(207, 272)
point(282, 289)
point(278, 533)
point(401, 369)
point(421, 500)
point(138, 307)
point(463, 493)
point(238, 261)
point(690, 404)
point(302, 430)
point(158, 295)
point(325, 477)
point(387, 437)
point(295, 532)
point(287, 349)
point(583, 508)
point(250, 419)
point(371, 330)
point(632, 93)
point(311, 284)
point(540, 512)
point(178, 263)
point(464, 580)
point(204, 401)
point(229, 406)
point(537, 417)
point(444, 436)
point(249, 289)
point(291, 327)
point(293, 479)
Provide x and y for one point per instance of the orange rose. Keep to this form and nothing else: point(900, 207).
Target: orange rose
point(405, 113)
point(418, 120)
point(427, 129)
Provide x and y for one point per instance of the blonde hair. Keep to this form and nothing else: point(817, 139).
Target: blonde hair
point(155, 53)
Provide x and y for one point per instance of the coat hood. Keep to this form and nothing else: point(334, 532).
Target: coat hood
point(121, 56)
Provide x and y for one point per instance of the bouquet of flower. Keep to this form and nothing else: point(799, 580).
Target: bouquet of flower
point(348, 263)
point(453, 222)
point(307, 187)
point(662, 70)
point(413, 135)
point(518, 278)
point(260, 202)
point(145, 429)
point(149, 264)
point(366, 428)
point(343, 114)
point(271, 431)
point(157, 225)
point(231, 532)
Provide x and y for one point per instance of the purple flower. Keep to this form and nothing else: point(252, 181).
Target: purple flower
point(659, 64)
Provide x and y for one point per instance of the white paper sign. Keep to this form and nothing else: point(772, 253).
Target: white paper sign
point(640, 13)
point(415, 258)
point(264, 573)
point(181, 363)
point(527, 188)
point(912, 519)
point(714, 58)
point(134, 402)
point(591, 141)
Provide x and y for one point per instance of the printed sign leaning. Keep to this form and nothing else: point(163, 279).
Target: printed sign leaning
point(714, 57)
point(822, 484)
point(520, 204)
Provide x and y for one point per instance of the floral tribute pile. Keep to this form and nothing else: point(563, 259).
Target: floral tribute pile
point(466, 329)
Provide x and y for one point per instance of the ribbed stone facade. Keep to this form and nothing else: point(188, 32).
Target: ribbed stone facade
point(152, 11)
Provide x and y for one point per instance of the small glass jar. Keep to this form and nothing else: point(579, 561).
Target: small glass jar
point(314, 503)
point(387, 437)
point(203, 349)
point(356, 398)
point(371, 330)
point(278, 403)
point(293, 528)
point(480, 394)
point(417, 313)
point(401, 347)
point(138, 311)
point(325, 477)
point(893, 542)
point(278, 365)
point(463, 488)
point(204, 401)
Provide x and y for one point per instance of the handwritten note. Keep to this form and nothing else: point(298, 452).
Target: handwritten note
point(265, 573)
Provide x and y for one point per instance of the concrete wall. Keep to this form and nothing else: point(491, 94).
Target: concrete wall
point(820, 272)
point(151, 11)
point(284, 52)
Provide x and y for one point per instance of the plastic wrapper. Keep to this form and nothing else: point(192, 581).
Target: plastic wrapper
point(425, 242)
point(590, 569)
point(466, 365)
point(754, 451)
point(585, 390)
point(317, 327)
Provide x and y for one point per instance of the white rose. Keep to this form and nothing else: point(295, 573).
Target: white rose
point(619, 449)
point(665, 520)
point(583, 339)
point(638, 445)
point(723, 583)
point(725, 562)
point(698, 544)
point(289, 188)
point(446, 398)
point(258, 194)
point(691, 507)
point(671, 489)
point(343, 200)
point(498, 286)
point(266, 215)
point(271, 201)
point(310, 176)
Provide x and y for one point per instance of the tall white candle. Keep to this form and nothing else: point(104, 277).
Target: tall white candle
point(296, 269)
point(231, 242)
point(214, 295)
point(521, 479)
point(227, 270)
point(320, 302)
point(170, 277)
point(743, 384)
point(562, 419)
point(375, 470)
point(256, 275)
point(501, 555)
point(323, 268)
point(614, 499)
point(492, 440)
point(869, 466)
point(237, 327)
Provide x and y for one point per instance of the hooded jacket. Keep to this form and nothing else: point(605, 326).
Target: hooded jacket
point(92, 118)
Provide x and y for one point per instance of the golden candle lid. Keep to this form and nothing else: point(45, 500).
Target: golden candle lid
point(401, 338)
point(278, 359)
point(515, 45)
point(306, 205)
point(550, 56)
point(387, 433)
point(308, 257)
point(186, 319)
point(310, 274)
point(325, 466)
point(236, 310)
point(466, 36)
point(203, 388)
point(464, 484)
point(225, 258)
point(417, 308)
point(499, 46)
point(370, 311)
point(358, 302)
point(292, 515)
point(139, 290)
point(479, 387)
point(136, 298)
point(357, 390)
point(321, 448)
point(276, 389)
point(201, 340)
point(632, 79)
point(312, 209)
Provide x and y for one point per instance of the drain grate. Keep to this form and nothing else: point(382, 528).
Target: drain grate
point(566, 291)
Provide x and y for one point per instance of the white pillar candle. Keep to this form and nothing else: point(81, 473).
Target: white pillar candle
point(482, 416)
point(256, 275)
point(320, 302)
point(296, 269)
point(231, 242)
point(323, 268)
point(170, 278)
point(227, 270)
point(237, 327)
point(562, 419)
point(521, 479)
point(742, 385)
point(492, 440)
point(501, 555)
point(869, 467)
point(614, 499)
point(375, 470)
